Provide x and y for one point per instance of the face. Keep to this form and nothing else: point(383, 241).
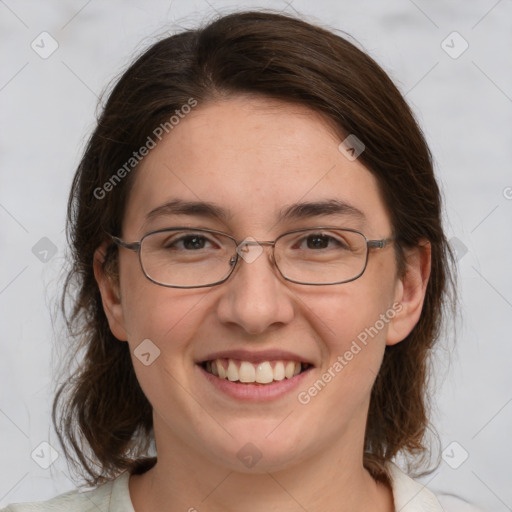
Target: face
point(254, 158)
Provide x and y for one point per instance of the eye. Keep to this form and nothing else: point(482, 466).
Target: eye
point(317, 241)
point(189, 242)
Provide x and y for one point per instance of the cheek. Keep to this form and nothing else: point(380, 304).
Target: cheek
point(167, 317)
point(358, 307)
point(352, 324)
point(354, 339)
point(162, 322)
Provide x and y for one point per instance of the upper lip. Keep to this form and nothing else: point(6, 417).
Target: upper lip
point(256, 357)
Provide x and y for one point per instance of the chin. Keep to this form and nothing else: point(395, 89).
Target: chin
point(253, 453)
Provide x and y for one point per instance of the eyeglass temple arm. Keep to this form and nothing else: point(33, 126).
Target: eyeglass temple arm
point(135, 246)
point(380, 244)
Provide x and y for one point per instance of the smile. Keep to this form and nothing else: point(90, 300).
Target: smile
point(245, 372)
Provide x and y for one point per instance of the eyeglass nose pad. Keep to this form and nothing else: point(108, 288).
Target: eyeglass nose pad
point(249, 249)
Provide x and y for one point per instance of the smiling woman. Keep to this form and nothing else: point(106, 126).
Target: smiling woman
point(258, 299)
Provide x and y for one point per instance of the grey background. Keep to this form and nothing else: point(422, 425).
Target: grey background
point(464, 105)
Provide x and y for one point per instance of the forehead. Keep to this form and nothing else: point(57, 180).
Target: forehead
point(254, 159)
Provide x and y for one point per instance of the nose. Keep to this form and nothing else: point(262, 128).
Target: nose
point(255, 298)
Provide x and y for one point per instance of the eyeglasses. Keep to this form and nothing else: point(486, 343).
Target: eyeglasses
point(184, 257)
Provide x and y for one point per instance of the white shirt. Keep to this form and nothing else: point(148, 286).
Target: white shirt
point(409, 496)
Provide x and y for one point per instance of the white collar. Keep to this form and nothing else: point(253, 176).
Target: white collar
point(409, 495)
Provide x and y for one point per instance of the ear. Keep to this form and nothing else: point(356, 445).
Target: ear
point(110, 295)
point(410, 292)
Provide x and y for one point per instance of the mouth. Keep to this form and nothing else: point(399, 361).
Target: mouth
point(262, 373)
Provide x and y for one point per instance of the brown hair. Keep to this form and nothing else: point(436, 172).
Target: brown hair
point(101, 413)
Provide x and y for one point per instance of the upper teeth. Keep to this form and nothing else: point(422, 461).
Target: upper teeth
point(244, 371)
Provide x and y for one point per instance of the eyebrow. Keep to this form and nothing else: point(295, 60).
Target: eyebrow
point(306, 210)
point(293, 212)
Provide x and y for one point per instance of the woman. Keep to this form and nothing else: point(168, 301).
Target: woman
point(261, 272)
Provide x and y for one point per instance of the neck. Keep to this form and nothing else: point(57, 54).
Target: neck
point(331, 481)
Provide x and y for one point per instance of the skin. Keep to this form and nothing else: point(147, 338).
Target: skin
point(253, 156)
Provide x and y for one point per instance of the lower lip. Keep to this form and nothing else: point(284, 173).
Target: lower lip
point(255, 392)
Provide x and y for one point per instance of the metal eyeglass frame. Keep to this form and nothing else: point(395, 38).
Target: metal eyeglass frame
point(135, 246)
